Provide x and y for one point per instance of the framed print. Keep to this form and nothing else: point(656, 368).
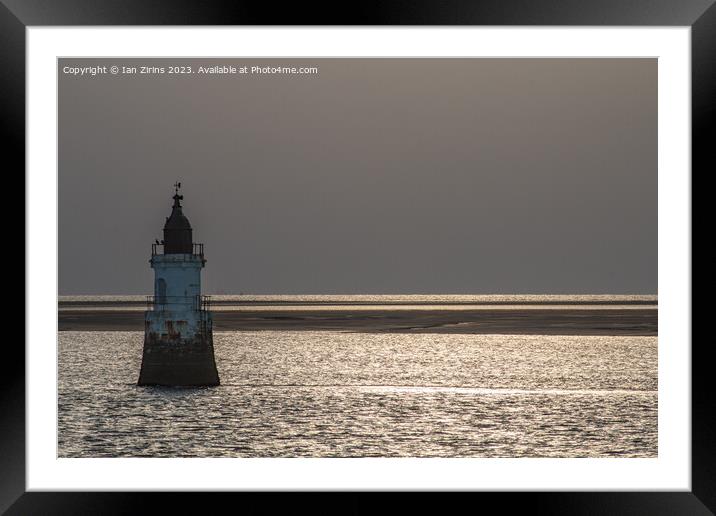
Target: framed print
point(441, 249)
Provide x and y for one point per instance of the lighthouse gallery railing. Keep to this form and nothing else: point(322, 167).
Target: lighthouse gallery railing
point(197, 250)
point(200, 303)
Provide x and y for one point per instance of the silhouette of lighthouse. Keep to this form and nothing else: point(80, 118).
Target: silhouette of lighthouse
point(178, 341)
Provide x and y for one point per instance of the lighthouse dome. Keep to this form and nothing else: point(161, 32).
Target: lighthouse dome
point(177, 230)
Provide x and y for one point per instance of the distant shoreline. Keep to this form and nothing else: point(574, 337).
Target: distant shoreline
point(220, 302)
point(633, 320)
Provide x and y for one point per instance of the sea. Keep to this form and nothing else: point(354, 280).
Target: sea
point(356, 394)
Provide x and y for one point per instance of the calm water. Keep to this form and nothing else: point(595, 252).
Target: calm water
point(325, 394)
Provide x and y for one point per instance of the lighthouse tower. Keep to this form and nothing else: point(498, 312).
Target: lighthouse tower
point(178, 341)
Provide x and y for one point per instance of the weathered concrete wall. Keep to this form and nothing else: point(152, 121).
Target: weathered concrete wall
point(178, 362)
point(177, 278)
point(181, 324)
point(178, 342)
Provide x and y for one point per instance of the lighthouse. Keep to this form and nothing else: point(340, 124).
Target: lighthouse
point(178, 341)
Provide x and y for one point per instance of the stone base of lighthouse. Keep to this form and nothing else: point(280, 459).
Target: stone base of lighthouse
point(178, 359)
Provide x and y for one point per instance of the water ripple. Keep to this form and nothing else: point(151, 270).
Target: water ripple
point(324, 394)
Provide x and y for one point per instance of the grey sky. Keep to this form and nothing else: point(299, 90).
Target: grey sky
point(374, 176)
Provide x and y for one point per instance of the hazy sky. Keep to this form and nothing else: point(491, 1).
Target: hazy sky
point(373, 176)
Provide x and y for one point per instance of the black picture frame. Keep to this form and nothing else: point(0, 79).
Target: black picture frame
point(17, 15)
